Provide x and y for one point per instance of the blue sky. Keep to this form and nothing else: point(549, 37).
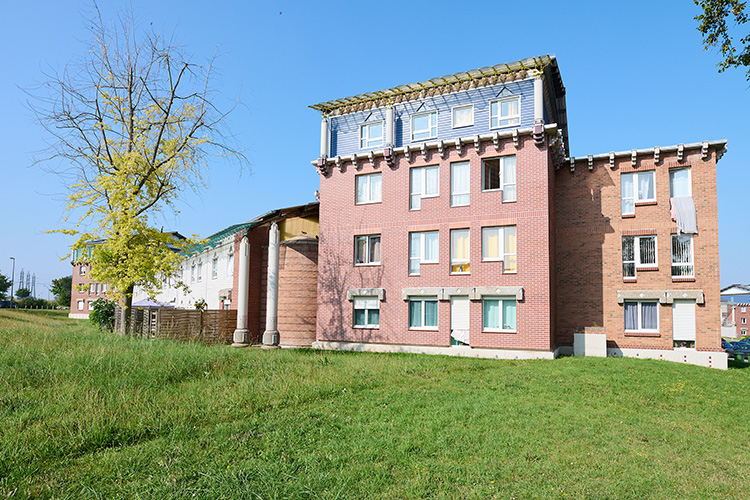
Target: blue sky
point(636, 77)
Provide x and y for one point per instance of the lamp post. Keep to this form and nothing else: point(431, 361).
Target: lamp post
point(12, 278)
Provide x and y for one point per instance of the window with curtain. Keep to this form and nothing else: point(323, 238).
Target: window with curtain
point(499, 244)
point(368, 188)
point(641, 316)
point(463, 116)
point(424, 183)
point(367, 249)
point(423, 248)
point(423, 313)
point(460, 251)
point(682, 255)
point(505, 112)
point(500, 174)
point(371, 135)
point(499, 314)
point(679, 182)
point(460, 184)
point(636, 187)
point(638, 252)
point(366, 312)
point(424, 126)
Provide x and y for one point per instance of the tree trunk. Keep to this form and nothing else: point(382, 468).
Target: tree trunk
point(127, 305)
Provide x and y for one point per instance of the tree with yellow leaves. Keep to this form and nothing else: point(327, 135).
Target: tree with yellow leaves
point(134, 125)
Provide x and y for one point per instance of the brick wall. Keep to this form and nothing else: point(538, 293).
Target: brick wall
point(589, 228)
point(81, 290)
point(341, 219)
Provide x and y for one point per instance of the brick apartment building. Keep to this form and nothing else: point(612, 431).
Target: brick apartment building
point(84, 291)
point(453, 220)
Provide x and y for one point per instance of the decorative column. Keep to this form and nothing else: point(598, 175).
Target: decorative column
point(241, 333)
point(538, 101)
point(389, 126)
point(271, 335)
point(324, 138)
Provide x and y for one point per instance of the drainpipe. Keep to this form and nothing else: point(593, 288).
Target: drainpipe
point(389, 126)
point(538, 101)
point(271, 335)
point(324, 138)
point(241, 333)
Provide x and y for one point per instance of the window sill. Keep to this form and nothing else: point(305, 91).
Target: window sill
point(367, 264)
point(494, 330)
point(641, 334)
point(682, 279)
point(368, 202)
point(646, 269)
point(629, 280)
point(646, 203)
point(374, 327)
point(423, 329)
point(628, 216)
point(454, 127)
point(509, 201)
point(464, 205)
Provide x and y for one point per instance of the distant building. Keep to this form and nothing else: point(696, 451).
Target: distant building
point(84, 291)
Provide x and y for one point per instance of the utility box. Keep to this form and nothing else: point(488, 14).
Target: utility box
point(590, 341)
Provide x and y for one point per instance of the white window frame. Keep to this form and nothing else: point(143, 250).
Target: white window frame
point(503, 182)
point(431, 130)
point(82, 270)
point(636, 197)
point(230, 262)
point(367, 260)
point(200, 270)
point(500, 118)
point(690, 263)
point(92, 288)
point(501, 300)
point(81, 304)
point(104, 288)
point(418, 193)
point(370, 197)
point(743, 308)
point(192, 273)
point(453, 115)
point(367, 142)
point(744, 321)
point(501, 250)
point(423, 300)
point(363, 301)
point(640, 328)
point(456, 262)
point(455, 194)
point(672, 171)
point(215, 267)
point(637, 255)
point(421, 259)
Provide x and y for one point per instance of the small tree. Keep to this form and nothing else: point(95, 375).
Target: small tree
point(22, 293)
point(136, 124)
point(4, 285)
point(61, 288)
point(716, 32)
point(103, 314)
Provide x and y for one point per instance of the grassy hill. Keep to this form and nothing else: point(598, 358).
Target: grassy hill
point(85, 414)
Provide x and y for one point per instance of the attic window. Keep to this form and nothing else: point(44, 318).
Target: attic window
point(505, 112)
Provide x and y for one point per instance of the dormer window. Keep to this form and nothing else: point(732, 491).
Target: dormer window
point(371, 135)
point(424, 126)
point(505, 112)
point(463, 116)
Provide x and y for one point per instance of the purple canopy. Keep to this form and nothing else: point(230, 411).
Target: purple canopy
point(150, 303)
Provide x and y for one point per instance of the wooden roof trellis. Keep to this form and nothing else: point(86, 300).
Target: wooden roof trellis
point(412, 90)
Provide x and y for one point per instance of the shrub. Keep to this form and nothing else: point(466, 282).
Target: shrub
point(103, 314)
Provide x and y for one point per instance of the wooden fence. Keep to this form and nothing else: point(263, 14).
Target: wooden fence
point(210, 327)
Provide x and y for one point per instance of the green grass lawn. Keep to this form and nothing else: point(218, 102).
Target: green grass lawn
point(85, 414)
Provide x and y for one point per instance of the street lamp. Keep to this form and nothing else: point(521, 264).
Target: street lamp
point(12, 278)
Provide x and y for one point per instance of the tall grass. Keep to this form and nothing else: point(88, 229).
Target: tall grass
point(86, 414)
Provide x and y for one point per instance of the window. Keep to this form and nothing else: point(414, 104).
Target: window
point(638, 252)
point(743, 308)
point(215, 267)
point(679, 182)
point(425, 183)
point(230, 262)
point(104, 288)
point(682, 255)
point(192, 273)
point(500, 173)
point(505, 112)
point(499, 314)
point(82, 271)
point(460, 251)
point(641, 316)
point(368, 189)
point(462, 116)
point(97, 288)
point(367, 249)
point(371, 135)
point(80, 304)
point(423, 249)
point(423, 313)
point(424, 126)
point(460, 184)
point(744, 321)
point(637, 187)
point(200, 270)
point(499, 244)
point(366, 312)
point(92, 288)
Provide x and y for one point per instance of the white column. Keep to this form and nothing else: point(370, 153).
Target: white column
point(241, 333)
point(389, 126)
point(324, 137)
point(271, 335)
point(538, 100)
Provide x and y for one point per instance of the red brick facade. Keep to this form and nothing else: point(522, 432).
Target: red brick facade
point(83, 293)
